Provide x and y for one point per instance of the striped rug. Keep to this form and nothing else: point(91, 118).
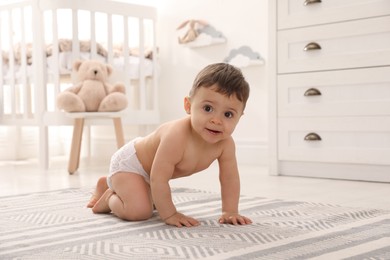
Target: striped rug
point(57, 225)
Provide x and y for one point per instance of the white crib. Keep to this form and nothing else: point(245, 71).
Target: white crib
point(40, 40)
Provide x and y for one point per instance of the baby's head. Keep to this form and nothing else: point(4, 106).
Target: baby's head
point(228, 79)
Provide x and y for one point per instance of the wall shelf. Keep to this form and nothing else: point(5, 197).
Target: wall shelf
point(203, 41)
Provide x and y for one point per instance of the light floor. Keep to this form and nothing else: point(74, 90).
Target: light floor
point(19, 177)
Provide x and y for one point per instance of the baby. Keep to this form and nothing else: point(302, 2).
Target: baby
point(140, 171)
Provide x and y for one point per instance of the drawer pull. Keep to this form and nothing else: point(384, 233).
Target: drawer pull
point(312, 92)
point(309, 2)
point(312, 137)
point(312, 46)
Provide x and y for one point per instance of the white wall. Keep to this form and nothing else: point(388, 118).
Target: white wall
point(242, 23)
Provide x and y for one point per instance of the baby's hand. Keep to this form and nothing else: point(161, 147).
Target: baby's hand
point(234, 218)
point(180, 220)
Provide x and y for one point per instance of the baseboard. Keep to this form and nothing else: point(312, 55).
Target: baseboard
point(344, 171)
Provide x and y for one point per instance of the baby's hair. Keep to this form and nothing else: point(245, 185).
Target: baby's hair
point(227, 78)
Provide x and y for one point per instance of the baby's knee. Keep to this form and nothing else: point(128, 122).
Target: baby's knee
point(138, 214)
point(102, 181)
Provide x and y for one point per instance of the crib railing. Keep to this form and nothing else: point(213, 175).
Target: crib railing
point(28, 88)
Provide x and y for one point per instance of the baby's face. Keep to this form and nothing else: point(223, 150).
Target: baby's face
point(214, 116)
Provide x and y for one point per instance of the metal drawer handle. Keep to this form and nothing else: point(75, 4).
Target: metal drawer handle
point(309, 2)
point(312, 137)
point(312, 46)
point(312, 92)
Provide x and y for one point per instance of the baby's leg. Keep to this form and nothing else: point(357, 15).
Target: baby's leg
point(101, 206)
point(132, 199)
point(101, 187)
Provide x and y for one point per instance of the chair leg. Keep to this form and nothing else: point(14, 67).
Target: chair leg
point(44, 147)
point(76, 145)
point(120, 138)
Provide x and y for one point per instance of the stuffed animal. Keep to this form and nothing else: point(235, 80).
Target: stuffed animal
point(65, 45)
point(92, 93)
point(18, 53)
point(192, 31)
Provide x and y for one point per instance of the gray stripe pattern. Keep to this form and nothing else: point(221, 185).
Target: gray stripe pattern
point(57, 225)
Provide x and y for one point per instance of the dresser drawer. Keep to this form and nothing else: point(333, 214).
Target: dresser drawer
point(295, 13)
point(351, 44)
point(361, 140)
point(358, 92)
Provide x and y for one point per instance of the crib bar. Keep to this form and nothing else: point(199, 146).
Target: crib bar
point(55, 55)
point(39, 86)
point(75, 35)
point(126, 45)
point(126, 57)
point(2, 67)
point(109, 39)
point(155, 76)
point(141, 68)
point(11, 66)
point(25, 88)
point(93, 36)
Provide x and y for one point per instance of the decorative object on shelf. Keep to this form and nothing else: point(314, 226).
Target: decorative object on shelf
point(244, 57)
point(192, 32)
point(199, 34)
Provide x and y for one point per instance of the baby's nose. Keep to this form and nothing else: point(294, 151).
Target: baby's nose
point(216, 120)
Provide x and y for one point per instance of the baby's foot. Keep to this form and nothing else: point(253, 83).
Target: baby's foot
point(101, 187)
point(101, 206)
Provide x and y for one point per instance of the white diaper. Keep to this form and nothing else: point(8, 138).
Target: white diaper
point(126, 160)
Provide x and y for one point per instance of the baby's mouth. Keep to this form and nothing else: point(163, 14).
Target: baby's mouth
point(215, 132)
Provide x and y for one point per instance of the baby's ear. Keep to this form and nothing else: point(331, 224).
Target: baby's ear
point(187, 105)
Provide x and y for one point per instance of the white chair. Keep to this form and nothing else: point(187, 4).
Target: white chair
point(78, 127)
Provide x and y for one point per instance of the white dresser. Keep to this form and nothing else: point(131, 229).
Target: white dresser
point(329, 87)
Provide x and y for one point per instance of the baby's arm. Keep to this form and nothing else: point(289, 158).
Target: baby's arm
point(162, 199)
point(162, 170)
point(230, 187)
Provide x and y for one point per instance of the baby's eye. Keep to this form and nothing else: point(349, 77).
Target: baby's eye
point(208, 108)
point(228, 114)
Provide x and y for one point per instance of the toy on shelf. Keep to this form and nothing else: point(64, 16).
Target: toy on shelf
point(200, 34)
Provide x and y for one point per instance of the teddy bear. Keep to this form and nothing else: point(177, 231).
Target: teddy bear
point(92, 93)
